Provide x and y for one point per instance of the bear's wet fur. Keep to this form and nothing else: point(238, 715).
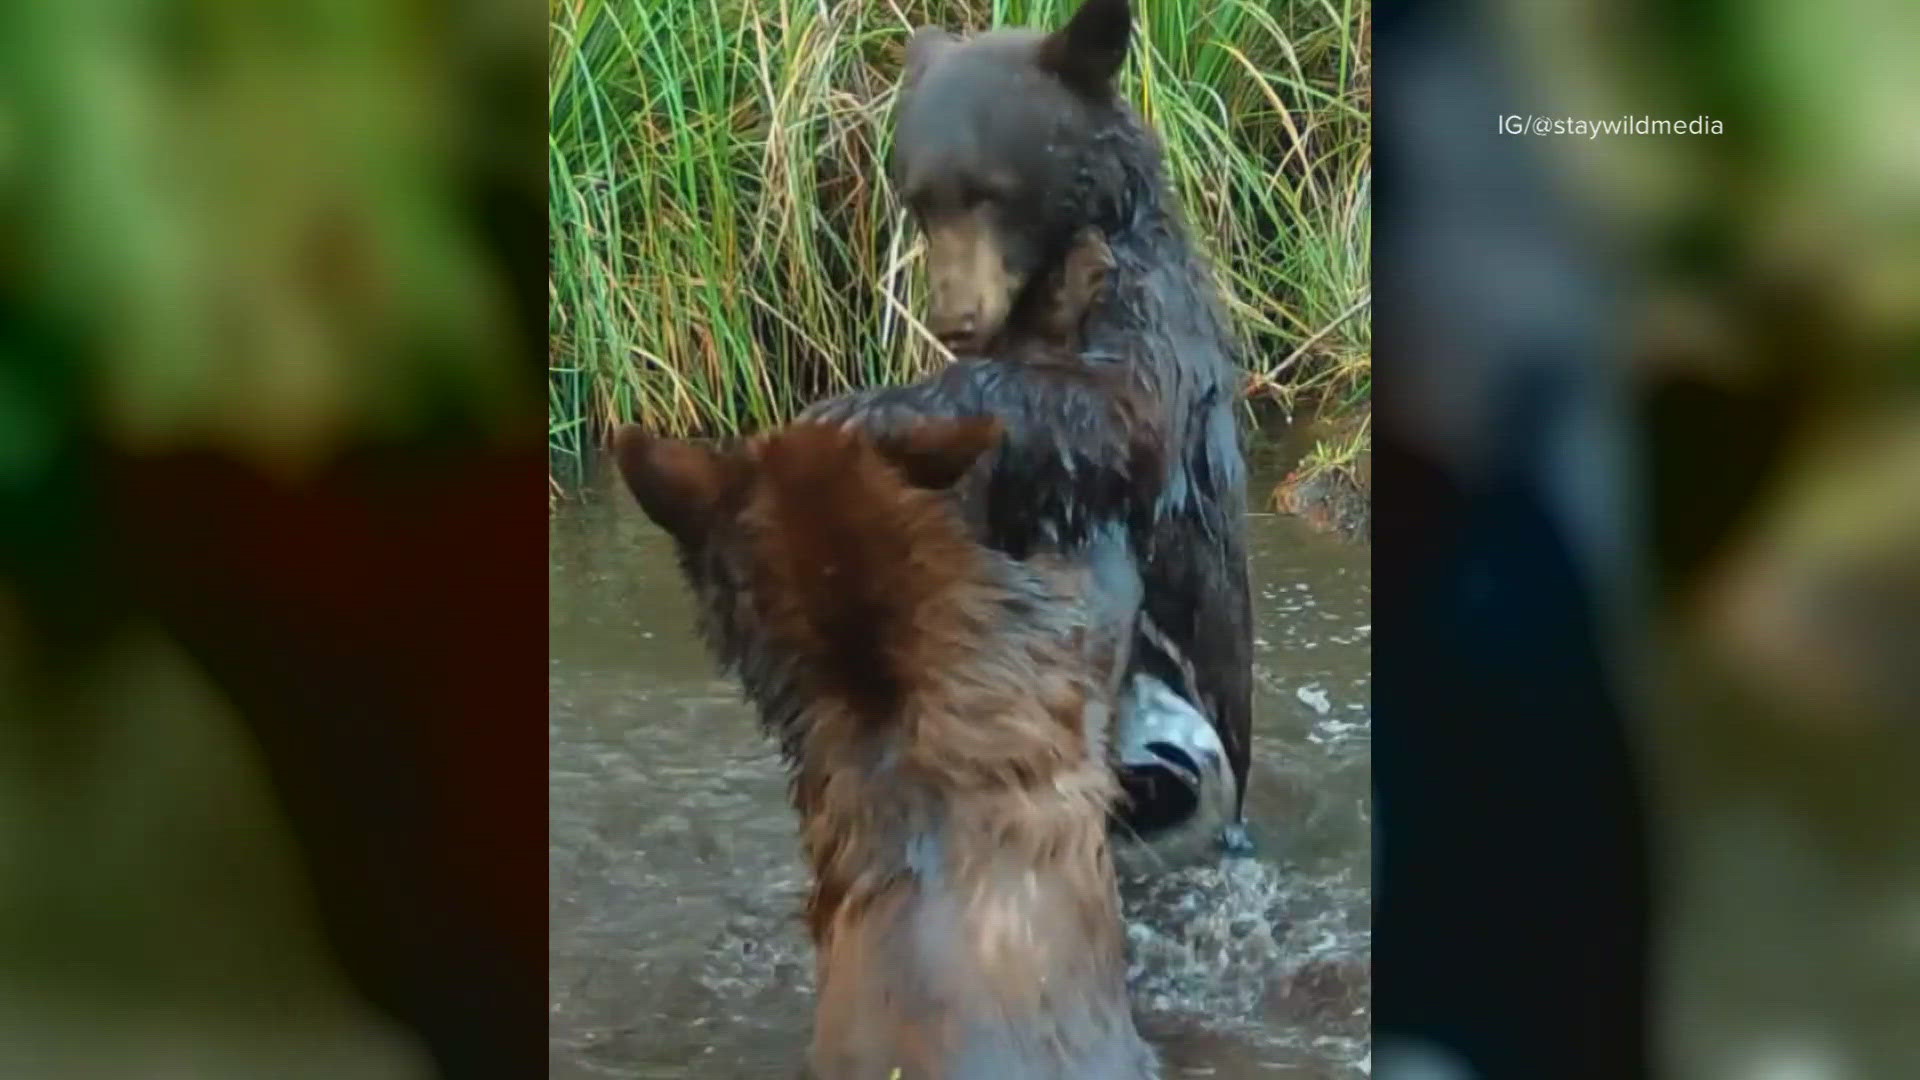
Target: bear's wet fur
point(1048, 327)
point(1009, 145)
point(944, 709)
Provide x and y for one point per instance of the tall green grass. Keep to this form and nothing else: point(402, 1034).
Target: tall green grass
point(725, 248)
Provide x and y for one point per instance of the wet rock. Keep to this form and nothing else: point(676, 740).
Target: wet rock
point(1330, 500)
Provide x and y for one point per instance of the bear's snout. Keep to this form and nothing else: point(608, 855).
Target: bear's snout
point(971, 289)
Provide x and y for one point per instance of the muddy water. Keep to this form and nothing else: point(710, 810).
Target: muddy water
point(675, 949)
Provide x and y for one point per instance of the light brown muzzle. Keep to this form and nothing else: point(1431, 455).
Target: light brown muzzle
point(971, 290)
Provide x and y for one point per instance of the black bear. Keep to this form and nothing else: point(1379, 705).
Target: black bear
point(1050, 328)
point(944, 708)
point(1009, 146)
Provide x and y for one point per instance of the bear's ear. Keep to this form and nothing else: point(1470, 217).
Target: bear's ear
point(925, 44)
point(1087, 52)
point(935, 454)
point(677, 483)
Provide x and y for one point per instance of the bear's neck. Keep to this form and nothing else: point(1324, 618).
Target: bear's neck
point(1160, 295)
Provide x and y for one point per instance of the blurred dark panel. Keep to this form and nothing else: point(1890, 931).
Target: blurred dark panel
point(1511, 895)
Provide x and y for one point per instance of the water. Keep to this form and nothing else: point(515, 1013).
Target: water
point(675, 879)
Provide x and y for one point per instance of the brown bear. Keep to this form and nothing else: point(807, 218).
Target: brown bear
point(945, 711)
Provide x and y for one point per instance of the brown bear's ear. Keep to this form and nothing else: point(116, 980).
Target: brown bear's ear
point(925, 44)
point(677, 483)
point(1087, 52)
point(935, 454)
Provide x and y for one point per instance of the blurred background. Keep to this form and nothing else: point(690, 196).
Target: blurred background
point(271, 761)
point(267, 274)
point(1658, 394)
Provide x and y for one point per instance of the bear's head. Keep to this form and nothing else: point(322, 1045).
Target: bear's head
point(815, 547)
point(1002, 152)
